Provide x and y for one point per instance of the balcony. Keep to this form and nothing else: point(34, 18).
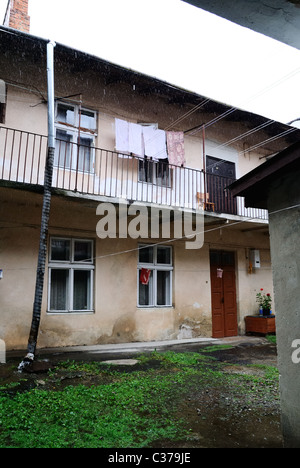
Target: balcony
point(102, 173)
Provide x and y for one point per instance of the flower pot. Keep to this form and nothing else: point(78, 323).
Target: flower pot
point(266, 312)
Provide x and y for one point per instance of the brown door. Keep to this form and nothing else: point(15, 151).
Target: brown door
point(220, 174)
point(223, 293)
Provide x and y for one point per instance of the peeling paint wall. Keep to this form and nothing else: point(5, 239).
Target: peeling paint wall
point(117, 317)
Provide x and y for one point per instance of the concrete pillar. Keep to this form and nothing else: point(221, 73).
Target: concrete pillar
point(285, 239)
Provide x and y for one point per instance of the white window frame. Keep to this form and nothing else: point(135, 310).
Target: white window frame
point(155, 267)
point(72, 266)
point(73, 130)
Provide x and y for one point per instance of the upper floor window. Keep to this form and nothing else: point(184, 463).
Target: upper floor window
point(75, 137)
point(155, 172)
point(2, 101)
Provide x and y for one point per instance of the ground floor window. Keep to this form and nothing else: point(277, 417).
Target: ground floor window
point(155, 267)
point(71, 275)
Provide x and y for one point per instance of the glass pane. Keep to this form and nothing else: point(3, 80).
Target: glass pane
point(164, 288)
point(60, 250)
point(145, 171)
point(87, 120)
point(82, 290)
point(63, 149)
point(146, 291)
point(59, 290)
point(65, 114)
point(228, 258)
point(82, 251)
point(216, 258)
point(85, 155)
point(146, 254)
point(164, 256)
point(162, 173)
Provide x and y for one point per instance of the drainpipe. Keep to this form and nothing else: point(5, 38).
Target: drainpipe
point(204, 162)
point(50, 78)
point(40, 273)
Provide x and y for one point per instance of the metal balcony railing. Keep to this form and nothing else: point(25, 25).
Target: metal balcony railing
point(99, 172)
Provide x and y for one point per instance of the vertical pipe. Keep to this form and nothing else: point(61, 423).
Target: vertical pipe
point(204, 165)
point(40, 272)
point(50, 78)
point(78, 143)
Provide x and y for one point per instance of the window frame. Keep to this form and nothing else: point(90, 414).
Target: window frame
point(155, 267)
point(74, 130)
point(71, 266)
point(151, 170)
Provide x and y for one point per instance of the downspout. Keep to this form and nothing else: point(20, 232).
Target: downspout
point(50, 79)
point(204, 162)
point(40, 274)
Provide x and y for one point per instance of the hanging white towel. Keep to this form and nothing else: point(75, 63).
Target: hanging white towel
point(122, 135)
point(135, 139)
point(129, 138)
point(155, 143)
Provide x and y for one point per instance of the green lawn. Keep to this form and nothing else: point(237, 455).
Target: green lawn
point(105, 407)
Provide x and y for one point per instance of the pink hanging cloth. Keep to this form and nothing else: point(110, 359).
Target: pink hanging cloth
point(175, 146)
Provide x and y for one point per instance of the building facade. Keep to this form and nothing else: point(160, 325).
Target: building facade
point(145, 242)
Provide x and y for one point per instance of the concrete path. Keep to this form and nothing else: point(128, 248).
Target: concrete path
point(114, 350)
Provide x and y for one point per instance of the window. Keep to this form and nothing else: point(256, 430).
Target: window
point(75, 137)
point(2, 101)
point(155, 172)
point(71, 275)
point(2, 112)
point(156, 291)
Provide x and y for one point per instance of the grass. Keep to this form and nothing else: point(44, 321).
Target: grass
point(112, 408)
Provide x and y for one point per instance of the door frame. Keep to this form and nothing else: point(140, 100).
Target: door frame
point(223, 299)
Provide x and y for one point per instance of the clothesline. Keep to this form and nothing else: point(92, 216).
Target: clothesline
point(148, 140)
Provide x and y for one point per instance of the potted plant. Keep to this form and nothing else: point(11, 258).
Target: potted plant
point(264, 301)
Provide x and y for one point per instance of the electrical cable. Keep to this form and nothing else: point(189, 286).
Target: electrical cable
point(100, 257)
point(218, 118)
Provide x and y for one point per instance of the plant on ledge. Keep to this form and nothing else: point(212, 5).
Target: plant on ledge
point(264, 301)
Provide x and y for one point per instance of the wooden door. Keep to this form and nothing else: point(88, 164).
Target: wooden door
point(223, 294)
point(219, 175)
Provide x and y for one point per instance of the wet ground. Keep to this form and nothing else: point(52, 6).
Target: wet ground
point(216, 418)
point(220, 420)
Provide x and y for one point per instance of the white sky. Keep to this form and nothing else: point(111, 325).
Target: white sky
point(180, 44)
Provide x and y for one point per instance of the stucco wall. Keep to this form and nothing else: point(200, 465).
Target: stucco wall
point(26, 111)
point(117, 317)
